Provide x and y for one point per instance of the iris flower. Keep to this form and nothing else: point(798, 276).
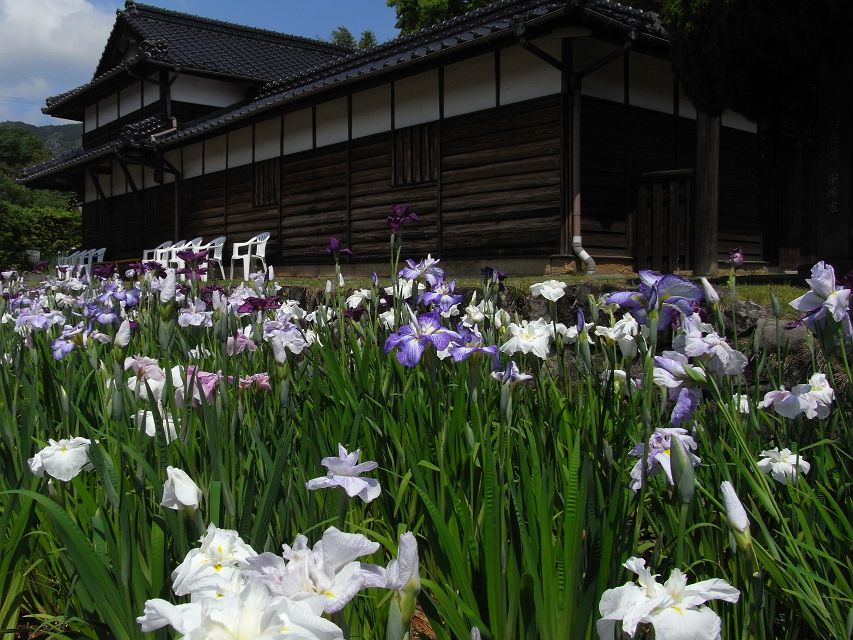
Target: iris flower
point(63, 459)
point(783, 466)
point(674, 609)
point(667, 294)
point(411, 340)
point(344, 471)
point(551, 290)
point(658, 455)
point(825, 304)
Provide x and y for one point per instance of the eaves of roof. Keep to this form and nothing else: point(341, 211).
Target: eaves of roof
point(494, 20)
point(66, 161)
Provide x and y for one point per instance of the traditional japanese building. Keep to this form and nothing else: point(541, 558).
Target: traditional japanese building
point(536, 134)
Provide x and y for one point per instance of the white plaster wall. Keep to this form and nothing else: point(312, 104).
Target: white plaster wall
point(240, 147)
point(524, 76)
point(607, 82)
point(469, 85)
point(192, 158)
point(174, 157)
point(298, 131)
point(214, 154)
point(135, 171)
point(332, 125)
point(119, 182)
point(737, 121)
point(268, 139)
point(107, 110)
point(130, 99)
point(90, 193)
point(198, 90)
point(371, 111)
point(150, 93)
point(650, 83)
point(416, 99)
point(90, 118)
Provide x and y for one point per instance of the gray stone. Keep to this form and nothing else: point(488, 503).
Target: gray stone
point(792, 340)
point(747, 316)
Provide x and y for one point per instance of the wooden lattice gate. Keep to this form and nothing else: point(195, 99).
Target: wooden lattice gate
point(663, 229)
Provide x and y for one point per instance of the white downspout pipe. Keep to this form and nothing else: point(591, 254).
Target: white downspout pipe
point(577, 237)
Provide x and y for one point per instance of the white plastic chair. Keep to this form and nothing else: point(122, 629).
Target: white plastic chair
point(215, 249)
point(150, 254)
point(162, 256)
point(67, 262)
point(255, 248)
point(93, 256)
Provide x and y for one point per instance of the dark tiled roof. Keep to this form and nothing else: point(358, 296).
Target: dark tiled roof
point(177, 39)
point(137, 132)
point(65, 161)
point(495, 19)
point(220, 47)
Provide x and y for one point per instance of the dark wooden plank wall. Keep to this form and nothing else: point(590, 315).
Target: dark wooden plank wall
point(621, 142)
point(372, 197)
point(500, 182)
point(313, 202)
point(498, 188)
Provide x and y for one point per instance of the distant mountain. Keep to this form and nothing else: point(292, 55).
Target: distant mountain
point(58, 138)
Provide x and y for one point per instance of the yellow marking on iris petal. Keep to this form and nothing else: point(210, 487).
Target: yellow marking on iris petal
point(328, 594)
point(217, 567)
point(667, 451)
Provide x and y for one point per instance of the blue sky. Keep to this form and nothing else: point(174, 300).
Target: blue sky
point(50, 46)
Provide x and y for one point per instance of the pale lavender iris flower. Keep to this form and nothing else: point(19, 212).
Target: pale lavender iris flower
point(344, 471)
point(411, 340)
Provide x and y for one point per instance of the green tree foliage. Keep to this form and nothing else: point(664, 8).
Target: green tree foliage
point(343, 37)
point(31, 218)
point(761, 58)
point(367, 39)
point(413, 15)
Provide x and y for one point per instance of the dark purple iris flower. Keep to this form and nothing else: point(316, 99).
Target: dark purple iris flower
point(193, 272)
point(400, 214)
point(354, 314)
point(156, 268)
point(192, 257)
point(336, 248)
point(490, 274)
point(206, 292)
point(252, 304)
point(137, 268)
point(670, 294)
point(105, 270)
point(736, 257)
point(411, 340)
point(470, 344)
point(40, 267)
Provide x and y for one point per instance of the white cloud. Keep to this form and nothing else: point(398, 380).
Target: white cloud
point(47, 47)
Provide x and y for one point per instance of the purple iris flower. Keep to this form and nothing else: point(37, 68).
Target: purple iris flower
point(156, 268)
point(442, 295)
point(471, 343)
point(193, 271)
point(130, 297)
point(426, 268)
point(736, 257)
point(490, 274)
point(101, 314)
point(134, 269)
point(400, 214)
point(670, 294)
point(192, 257)
point(411, 340)
point(61, 348)
point(337, 248)
point(252, 304)
point(511, 375)
point(40, 267)
point(105, 270)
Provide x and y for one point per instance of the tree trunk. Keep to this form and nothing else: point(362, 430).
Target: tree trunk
point(707, 194)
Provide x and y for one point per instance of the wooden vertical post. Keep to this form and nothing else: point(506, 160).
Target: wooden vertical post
point(707, 194)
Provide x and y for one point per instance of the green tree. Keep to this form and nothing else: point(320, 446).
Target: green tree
point(367, 39)
point(413, 15)
point(31, 218)
point(343, 37)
